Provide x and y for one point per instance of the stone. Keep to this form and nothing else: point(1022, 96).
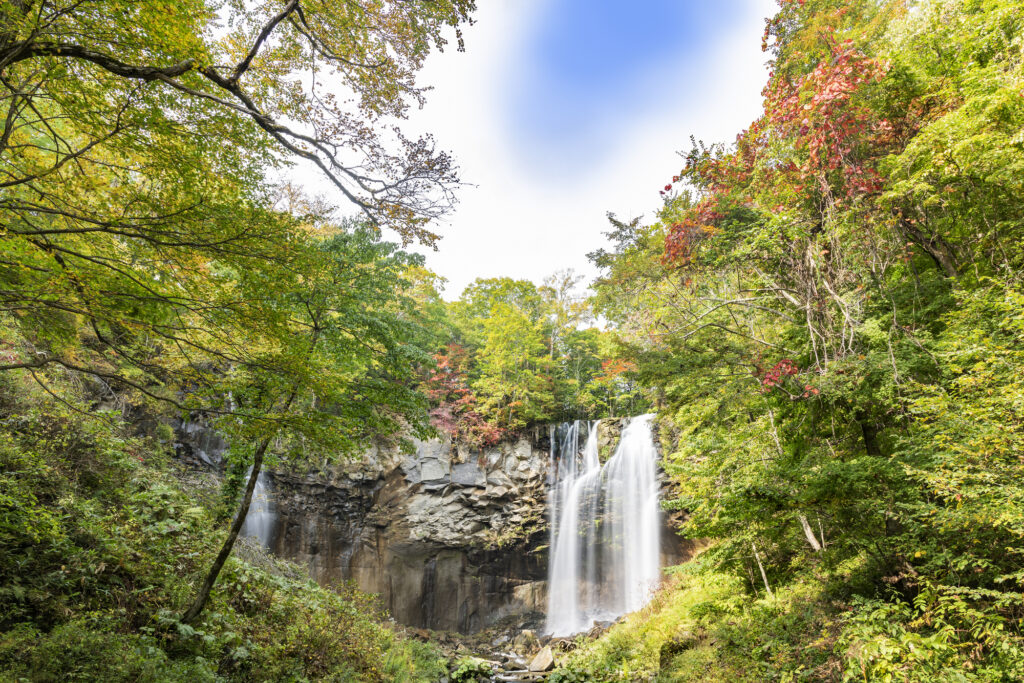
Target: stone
point(532, 595)
point(433, 470)
point(498, 491)
point(519, 476)
point(544, 661)
point(412, 473)
point(523, 450)
point(194, 438)
point(433, 450)
point(421, 505)
point(499, 478)
point(468, 474)
point(390, 530)
point(493, 458)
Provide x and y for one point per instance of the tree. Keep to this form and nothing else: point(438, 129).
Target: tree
point(142, 243)
point(566, 309)
point(515, 374)
point(82, 78)
point(478, 300)
point(827, 316)
point(529, 356)
point(342, 373)
point(134, 163)
point(455, 403)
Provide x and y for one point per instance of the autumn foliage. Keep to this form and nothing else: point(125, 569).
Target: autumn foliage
point(454, 412)
point(828, 312)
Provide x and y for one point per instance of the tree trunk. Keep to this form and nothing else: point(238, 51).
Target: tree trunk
point(764, 577)
point(750, 573)
point(870, 433)
point(809, 533)
point(933, 245)
point(196, 608)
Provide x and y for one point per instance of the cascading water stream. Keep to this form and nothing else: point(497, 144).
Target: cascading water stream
point(259, 522)
point(605, 526)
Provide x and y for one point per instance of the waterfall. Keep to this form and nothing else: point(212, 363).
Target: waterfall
point(259, 522)
point(605, 526)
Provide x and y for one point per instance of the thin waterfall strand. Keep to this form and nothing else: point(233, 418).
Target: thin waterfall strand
point(570, 483)
point(259, 522)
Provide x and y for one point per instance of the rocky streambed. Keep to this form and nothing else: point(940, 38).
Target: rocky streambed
point(506, 652)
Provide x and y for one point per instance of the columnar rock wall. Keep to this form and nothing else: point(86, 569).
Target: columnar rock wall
point(445, 536)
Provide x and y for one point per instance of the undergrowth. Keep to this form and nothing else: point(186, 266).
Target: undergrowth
point(708, 626)
point(101, 548)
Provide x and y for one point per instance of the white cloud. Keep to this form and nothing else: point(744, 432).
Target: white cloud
point(526, 220)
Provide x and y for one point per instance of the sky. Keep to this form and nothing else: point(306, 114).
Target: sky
point(560, 111)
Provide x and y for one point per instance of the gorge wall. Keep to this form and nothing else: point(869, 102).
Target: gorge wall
point(447, 538)
point(450, 538)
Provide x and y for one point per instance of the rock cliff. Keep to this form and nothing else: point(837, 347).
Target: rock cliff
point(450, 538)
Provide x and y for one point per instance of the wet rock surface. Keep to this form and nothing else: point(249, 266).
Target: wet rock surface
point(196, 443)
point(501, 646)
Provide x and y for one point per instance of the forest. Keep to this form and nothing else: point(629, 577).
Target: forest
point(825, 315)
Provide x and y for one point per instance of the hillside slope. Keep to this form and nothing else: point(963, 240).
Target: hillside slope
point(101, 548)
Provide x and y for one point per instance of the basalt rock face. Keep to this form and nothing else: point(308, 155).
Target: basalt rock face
point(447, 537)
point(451, 538)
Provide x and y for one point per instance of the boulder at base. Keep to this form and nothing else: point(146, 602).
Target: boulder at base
point(544, 661)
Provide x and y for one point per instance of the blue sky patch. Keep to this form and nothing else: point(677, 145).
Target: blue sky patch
point(591, 65)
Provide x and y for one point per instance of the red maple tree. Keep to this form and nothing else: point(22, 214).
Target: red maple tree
point(454, 402)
